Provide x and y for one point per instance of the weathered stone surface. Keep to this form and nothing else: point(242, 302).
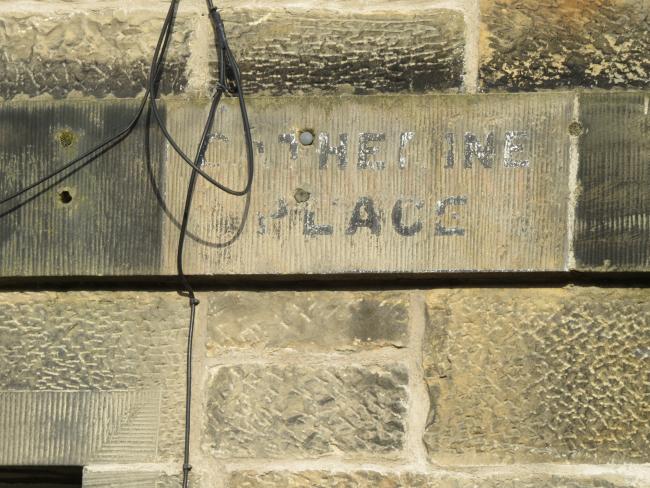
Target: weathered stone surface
point(533, 44)
point(59, 51)
point(100, 477)
point(275, 411)
point(538, 375)
point(373, 479)
point(104, 219)
point(404, 203)
point(108, 366)
point(612, 230)
point(306, 50)
point(323, 320)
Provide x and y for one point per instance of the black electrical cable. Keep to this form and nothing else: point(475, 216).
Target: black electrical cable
point(229, 82)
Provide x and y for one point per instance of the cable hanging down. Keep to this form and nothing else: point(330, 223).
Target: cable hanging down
point(229, 82)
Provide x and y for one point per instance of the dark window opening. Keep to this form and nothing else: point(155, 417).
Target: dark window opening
point(40, 476)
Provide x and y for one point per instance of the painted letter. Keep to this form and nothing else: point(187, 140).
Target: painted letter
point(367, 151)
point(290, 138)
point(484, 153)
point(340, 151)
point(404, 139)
point(371, 220)
point(514, 145)
point(441, 208)
point(310, 228)
point(398, 224)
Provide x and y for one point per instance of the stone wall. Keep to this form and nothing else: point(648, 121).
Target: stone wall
point(481, 360)
point(411, 388)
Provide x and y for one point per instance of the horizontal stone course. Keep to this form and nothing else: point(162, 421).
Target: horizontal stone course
point(307, 321)
point(374, 479)
point(446, 183)
point(297, 411)
point(533, 44)
point(538, 375)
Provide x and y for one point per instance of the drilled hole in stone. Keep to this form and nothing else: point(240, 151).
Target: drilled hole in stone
point(66, 138)
point(65, 197)
point(306, 137)
point(301, 196)
point(575, 128)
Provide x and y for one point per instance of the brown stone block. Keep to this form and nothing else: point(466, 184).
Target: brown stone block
point(518, 375)
point(297, 411)
point(60, 51)
point(298, 50)
point(91, 377)
point(537, 44)
point(307, 321)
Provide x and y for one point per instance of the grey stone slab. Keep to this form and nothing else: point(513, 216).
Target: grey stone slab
point(538, 375)
point(446, 183)
point(528, 44)
point(394, 196)
point(62, 50)
point(103, 219)
point(307, 321)
point(63, 355)
point(305, 49)
point(612, 230)
point(257, 410)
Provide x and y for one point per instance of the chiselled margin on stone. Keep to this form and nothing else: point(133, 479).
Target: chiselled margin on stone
point(64, 353)
point(65, 427)
point(105, 218)
point(613, 210)
point(528, 44)
point(298, 411)
point(100, 52)
point(538, 375)
point(374, 479)
point(307, 321)
point(303, 50)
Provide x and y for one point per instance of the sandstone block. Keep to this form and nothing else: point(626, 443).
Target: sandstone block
point(307, 321)
point(612, 231)
point(299, 410)
point(104, 218)
point(319, 50)
point(60, 51)
point(91, 377)
point(521, 375)
point(531, 44)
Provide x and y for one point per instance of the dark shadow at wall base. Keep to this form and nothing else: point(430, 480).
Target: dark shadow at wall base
point(40, 476)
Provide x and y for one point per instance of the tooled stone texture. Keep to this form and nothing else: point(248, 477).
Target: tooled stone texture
point(373, 479)
point(300, 410)
point(531, 44)
point(301, 50)
point(89, 52)
point(98, 342)
point(323, 320)
point(538, 375)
